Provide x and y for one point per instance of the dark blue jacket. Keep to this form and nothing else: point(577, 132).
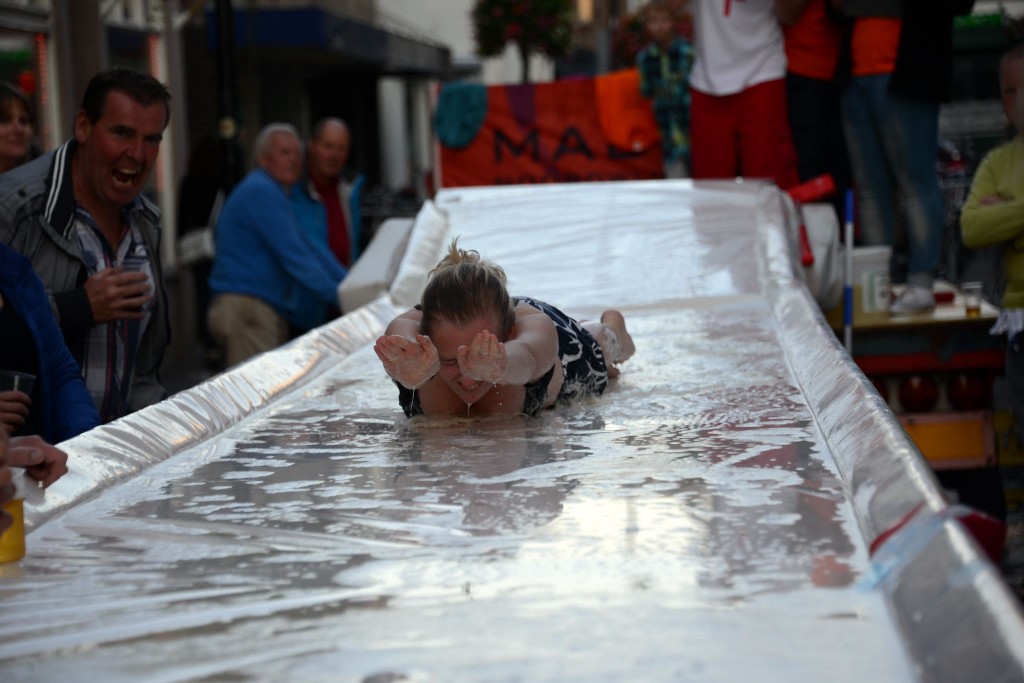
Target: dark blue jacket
point(65, 408)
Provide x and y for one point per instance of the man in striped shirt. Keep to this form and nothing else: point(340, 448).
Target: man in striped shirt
point(79, 215)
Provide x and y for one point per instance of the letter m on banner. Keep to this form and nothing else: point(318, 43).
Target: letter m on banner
point(580, 129)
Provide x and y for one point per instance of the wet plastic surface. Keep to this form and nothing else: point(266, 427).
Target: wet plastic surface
point(709, 518)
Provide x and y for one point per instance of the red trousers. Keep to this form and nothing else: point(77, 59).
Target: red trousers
point(745, 134)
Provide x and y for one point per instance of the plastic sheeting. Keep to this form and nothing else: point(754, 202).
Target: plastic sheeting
point(710, 518)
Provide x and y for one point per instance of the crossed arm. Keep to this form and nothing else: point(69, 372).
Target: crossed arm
point(989, 217)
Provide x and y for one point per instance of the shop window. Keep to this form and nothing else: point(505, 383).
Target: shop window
point(23, 64)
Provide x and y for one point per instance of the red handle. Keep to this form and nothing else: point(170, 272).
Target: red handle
point(806, 255)
point(815, 188)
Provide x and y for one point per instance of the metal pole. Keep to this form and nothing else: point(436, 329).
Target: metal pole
point(602, 42)
point(227, 124)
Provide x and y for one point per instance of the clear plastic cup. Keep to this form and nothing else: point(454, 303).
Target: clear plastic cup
point(137, 264)
point(134, 264)
point(17, 381)
point(972, 298)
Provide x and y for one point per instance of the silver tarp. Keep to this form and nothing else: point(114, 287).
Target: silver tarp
point(713, 517)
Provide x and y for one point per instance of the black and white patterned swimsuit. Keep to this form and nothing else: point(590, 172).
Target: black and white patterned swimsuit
point(583, 366)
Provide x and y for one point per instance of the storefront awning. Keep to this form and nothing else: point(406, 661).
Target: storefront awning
point(315, 30)
point(24, 19)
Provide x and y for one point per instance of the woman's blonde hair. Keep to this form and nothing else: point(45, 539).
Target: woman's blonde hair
point(463, 288)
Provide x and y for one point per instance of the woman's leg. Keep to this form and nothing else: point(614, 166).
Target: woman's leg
point(615, 341)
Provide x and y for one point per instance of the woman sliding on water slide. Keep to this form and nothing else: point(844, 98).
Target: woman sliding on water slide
point(470, 348)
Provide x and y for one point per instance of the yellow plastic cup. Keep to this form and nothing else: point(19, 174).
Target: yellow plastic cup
point(12, 541)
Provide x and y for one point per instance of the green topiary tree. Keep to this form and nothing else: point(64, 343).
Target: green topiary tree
point(543, 26)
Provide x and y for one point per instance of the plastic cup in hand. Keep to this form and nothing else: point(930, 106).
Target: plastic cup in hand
point(134, 264)
point(972, 298)
point(16, 381)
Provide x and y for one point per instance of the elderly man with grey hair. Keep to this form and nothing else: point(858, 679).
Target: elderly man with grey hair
point(264, 263)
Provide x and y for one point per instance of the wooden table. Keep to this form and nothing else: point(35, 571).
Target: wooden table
point(935, 347)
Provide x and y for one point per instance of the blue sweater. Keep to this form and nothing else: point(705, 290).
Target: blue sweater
point(262, 252)
point(64, 407)
point(312, 218)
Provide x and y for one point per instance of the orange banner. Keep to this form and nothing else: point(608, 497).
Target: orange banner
point(586, 129)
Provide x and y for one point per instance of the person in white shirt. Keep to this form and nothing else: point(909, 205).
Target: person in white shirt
point(739, 118)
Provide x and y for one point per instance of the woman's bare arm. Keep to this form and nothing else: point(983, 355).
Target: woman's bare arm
point(407, 324)
point(525, 357)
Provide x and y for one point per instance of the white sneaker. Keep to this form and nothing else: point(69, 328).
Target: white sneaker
point(914, 299)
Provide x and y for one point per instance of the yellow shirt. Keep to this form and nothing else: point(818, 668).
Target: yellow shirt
point(1001, 174)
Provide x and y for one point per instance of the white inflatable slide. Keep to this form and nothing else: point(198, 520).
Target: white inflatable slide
point(739, 505)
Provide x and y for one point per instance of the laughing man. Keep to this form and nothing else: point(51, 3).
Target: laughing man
point(78, 214)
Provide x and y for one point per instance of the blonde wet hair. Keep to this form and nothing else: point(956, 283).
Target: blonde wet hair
point(463, 288)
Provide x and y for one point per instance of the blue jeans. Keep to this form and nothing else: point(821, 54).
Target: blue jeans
point(892, 143)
